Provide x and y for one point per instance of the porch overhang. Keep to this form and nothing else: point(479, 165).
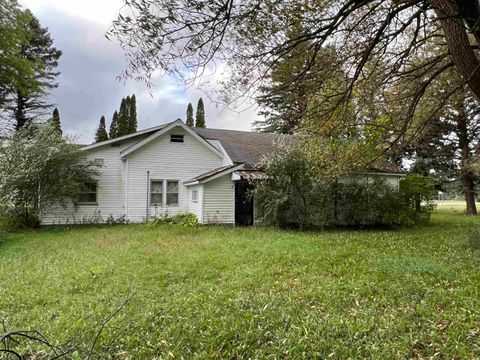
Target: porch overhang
point(249, 175)
point(213, 174)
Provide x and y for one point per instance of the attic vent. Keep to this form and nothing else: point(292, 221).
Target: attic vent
point(176, 138)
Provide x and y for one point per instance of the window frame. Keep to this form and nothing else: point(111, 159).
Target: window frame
point(151, 193)
point(98, 162)
point(80, 202)
point(195, 199)
point(167, 192)
point(178, 138)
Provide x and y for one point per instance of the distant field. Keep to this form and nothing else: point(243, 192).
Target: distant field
point(454, 206)
point(219, 292)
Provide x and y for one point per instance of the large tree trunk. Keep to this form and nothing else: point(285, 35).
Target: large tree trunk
point(459, 45)
point(466, 173)
point(20, 117)
point(470, 12)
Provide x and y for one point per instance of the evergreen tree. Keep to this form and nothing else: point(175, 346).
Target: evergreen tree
point(200, 115)
point(16, 71)
point(55, 121)
point(133, 115)
point(101, 134)
point(189, 121)
point(29, 105)
point(123, 117)
point(284, 101)
point(114, 126)
point(449, 146)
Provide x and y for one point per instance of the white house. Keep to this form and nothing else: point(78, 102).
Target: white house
point(172, 168)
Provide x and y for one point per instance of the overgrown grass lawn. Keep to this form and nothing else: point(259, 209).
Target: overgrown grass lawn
point(248, 293)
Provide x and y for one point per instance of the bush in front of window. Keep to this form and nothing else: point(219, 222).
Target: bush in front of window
point(184, 220)
point(39, 168)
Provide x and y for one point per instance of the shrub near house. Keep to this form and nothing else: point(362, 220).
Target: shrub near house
point(38, 166)
point(292, 195)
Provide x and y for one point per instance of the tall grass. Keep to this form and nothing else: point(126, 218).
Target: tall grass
point(224, 292)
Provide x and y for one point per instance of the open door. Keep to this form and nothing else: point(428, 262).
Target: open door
point(243, 203)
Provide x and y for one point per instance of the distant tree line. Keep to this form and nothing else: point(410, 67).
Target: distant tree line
point(124, 121)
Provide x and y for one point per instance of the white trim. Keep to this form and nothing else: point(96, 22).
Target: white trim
point(386, 174)
point(80, 203)
point(165, 129)
point(234, 184)
point(194, 191)
point(162, 204)
point(202, 209)
point(126, 188)
point(191, 183)
point(166, 193)
point(225, 154)
point(213, 177)
point(124, 137)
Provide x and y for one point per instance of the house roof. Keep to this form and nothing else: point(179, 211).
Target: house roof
point(249, 147)
point(125, 137)
point(166, 128)
point(241, 146)
point(213, 174)
point(385, 166)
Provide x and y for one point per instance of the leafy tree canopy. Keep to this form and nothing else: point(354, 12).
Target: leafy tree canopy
point(39, 167)
point(386, 52)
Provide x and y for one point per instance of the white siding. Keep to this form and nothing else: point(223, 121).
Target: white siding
point(110, 190)
point(219, 201)
point(166, 161)
point(393, 181)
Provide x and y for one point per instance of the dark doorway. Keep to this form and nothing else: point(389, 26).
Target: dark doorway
point(243, 203)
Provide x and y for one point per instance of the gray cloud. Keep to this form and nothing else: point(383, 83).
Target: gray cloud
point(88, 87)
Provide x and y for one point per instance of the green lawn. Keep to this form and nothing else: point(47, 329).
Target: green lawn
point(249, 293)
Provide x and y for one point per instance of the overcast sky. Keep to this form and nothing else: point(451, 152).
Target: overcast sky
point(88, 87)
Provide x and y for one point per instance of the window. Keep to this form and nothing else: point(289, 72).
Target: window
point(156, 192)
point(172, 192)
point(98, 162)
point(176, 138)
point(89, 194)
point(195, 196)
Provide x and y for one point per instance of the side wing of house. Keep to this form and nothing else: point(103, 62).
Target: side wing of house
point(219, 201)
point(110, 190)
